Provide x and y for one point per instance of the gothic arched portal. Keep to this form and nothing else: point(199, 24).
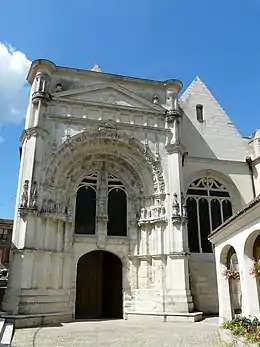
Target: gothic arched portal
point(99, 292)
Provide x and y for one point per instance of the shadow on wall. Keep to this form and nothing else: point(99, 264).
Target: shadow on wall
point(193, 141)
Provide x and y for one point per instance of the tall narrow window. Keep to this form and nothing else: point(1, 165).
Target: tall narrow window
point(208, 206)
point(193, 225)
point(85, 218)
point(199, 111)
point(117, 208)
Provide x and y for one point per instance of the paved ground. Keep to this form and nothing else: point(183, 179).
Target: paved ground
point(121, 333)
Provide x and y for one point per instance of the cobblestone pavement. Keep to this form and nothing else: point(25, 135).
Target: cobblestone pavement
point(121, 333)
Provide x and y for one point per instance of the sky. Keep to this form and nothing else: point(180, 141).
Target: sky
point(216, 40)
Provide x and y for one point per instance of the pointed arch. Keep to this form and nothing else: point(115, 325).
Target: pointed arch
point(209, 204)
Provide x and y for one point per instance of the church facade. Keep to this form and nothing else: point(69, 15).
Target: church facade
point(121, 182)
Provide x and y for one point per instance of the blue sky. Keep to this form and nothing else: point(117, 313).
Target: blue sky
point(217, 40)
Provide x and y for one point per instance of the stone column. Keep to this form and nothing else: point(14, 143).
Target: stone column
point(250, 299)
point(102, 215)
point(177, 272)
point(225, 305)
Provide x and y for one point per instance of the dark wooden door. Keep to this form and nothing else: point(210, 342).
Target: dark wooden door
point(112, 286)
point(89, 286)
point(99, 286)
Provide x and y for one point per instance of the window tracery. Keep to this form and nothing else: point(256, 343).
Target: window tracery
point(85, 218)
point(101, 195)
point(208, 206)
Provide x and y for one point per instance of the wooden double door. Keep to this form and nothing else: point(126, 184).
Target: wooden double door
point(99, 286)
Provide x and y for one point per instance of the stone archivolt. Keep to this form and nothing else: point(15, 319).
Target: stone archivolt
point(125, 157)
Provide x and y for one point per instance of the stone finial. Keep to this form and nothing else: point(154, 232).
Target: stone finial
point(172, 87)
point(155, 100)
point(95, 67)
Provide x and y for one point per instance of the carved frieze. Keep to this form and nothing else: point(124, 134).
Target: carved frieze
point(155, 212)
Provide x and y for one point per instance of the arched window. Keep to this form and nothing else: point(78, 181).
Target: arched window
point(208, 206)
point(85, 218)
point(117, 207)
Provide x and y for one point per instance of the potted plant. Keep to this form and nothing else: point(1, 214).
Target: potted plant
point(255, 270)
point(231, 274)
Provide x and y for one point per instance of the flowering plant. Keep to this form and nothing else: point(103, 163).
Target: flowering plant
point(231, 274)
point(255, 270)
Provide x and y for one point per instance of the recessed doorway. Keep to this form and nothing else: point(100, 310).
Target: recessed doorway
point(99, 286)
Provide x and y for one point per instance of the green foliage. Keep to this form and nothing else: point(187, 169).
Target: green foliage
point(246, 327)
point(255, 270)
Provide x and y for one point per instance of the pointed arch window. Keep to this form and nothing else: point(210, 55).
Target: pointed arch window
point(85, 218)
point(101, 195)
point(117, 207)
point(208, 206)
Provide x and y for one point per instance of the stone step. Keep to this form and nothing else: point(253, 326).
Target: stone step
point(2, 323)
point(6, 333)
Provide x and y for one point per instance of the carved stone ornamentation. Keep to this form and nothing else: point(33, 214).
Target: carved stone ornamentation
point(154, 213)
point(106, 135)
point(34, 196)
point(176, 217)
point(41, 89)
point(173, 87)
point(25, 196)
point(175, 206)
point(184, 209)
point(183, 205)
point(179, 210)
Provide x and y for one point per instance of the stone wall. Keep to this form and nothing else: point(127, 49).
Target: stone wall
point(203, 282)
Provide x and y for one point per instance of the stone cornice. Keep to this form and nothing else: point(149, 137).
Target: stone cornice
point(149, 257)
point(161, 220)
point(178, 255)
point(49, 65)
point(215, 160)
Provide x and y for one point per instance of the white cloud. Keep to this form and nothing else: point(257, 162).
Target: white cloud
point(14, 67)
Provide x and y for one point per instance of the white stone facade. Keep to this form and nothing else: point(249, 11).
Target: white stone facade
point(79, 122)
point(239, 237)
